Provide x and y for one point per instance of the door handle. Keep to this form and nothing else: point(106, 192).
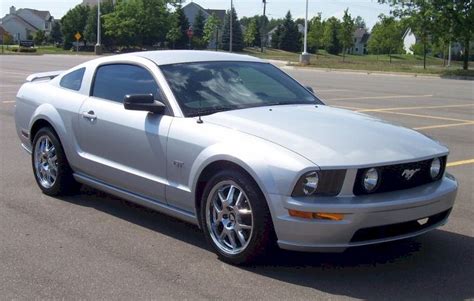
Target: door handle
point(89, 115)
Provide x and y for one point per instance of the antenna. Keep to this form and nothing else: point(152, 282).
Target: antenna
point(200, 111)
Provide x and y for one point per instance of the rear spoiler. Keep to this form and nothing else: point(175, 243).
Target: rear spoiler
point(44, 75)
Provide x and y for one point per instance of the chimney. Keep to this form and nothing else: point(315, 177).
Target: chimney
point(12, 10)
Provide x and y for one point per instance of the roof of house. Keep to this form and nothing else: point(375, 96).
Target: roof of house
point(362, 35)
point(220, 13)
point(3, 31)
point(43, 14)
point(25, 23)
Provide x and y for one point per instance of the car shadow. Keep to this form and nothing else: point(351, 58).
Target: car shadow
point(437, 265)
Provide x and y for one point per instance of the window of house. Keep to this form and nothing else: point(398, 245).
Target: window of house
point(113, 82)
point(73, 80)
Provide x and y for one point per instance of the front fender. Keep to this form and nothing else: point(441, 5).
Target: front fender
point(273, 168)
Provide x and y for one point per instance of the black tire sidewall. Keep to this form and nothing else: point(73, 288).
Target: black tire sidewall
point(262, 223)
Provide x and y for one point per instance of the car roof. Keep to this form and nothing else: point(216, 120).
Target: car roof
point(167, 57)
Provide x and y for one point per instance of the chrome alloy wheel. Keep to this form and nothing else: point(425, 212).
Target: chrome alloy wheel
point(45, 162)
point(229, 217)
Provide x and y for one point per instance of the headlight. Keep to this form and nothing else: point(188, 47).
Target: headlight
point(321, 183)
point(371, 179)
point(435, 168)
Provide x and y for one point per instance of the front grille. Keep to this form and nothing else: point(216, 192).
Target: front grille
point(392, 176)
point(394, 230)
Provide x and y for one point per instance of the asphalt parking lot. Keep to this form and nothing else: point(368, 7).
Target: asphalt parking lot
point(94, 246)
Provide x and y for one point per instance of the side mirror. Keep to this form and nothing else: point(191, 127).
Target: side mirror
point(143, 102)
point(309, 89)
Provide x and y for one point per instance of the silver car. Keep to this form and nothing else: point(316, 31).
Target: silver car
point(236, 146)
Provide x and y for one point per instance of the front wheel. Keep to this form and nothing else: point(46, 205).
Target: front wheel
point(235, 217)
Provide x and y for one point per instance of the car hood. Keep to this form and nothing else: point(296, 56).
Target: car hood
point(331, 137)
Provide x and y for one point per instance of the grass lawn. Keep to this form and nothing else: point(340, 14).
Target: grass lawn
point(400, 63)
point(48, 49)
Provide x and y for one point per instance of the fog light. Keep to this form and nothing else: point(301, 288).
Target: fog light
point(371, 179)
point(316, 215)
point(435, 168)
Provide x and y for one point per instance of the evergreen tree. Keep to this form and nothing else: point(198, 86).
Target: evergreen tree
point(198, 30)
point(347, 33)
point(331, 41)
point(276, 37)
point(183, 25)
point(56, 35)
point(237, 40)
point(290, 36)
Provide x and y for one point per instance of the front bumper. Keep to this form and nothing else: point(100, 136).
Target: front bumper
point(368, 219)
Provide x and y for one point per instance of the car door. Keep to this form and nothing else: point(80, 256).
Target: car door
point(124, 148)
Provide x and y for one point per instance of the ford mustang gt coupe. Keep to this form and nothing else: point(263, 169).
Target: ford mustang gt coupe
point(236, 146)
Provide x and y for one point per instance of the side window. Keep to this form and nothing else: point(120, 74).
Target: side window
point(113, 82)
point(73, 80)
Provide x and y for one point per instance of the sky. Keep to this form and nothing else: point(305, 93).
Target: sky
point(368, 9)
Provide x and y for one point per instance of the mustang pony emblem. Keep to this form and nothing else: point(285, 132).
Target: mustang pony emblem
point(409, 173)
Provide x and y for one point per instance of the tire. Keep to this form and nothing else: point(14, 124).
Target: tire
point(245, 217)
point(50, 167)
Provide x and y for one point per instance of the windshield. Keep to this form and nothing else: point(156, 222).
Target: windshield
point(209, 87)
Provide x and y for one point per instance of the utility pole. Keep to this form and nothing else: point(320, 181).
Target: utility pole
point(305, 56)
point(231, 15)
point(98, 46)
point(264, 24)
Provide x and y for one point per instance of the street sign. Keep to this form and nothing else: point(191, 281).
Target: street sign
point(77, 36)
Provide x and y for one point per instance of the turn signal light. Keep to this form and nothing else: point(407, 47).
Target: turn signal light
point(316, 215)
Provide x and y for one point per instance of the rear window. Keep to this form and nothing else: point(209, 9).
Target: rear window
point(73, 80)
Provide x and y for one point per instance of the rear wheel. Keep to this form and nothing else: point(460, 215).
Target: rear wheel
point(50, 166)
point(235, 217)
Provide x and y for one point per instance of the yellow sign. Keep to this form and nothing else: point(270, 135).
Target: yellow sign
point(78, 36)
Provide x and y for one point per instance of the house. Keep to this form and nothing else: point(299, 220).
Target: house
point(24, 22)
point(5, 36)
point(409, 39)
point(361, 37)
point(191, 11)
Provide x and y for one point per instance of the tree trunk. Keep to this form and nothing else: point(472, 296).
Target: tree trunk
point(424, 55)
point(343, 54)
point(390, 55)
point(466, 54)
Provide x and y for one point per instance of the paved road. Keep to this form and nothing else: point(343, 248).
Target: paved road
point(95, 246)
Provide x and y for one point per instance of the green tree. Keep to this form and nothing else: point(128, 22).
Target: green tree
point(290, 36)
point(198, 30)
point(453, 17)
point(90, 31)
point(251, 33)
point(347, 33)
point(237, 39)
point(124, 24)
point(276, 36)
point(331, 35)
point(315, 33)
point(360, 22)
point(72, 22)
point(183, 25)
point(386, 37)
point(39, 38)
point(155, 21)
point(174, 34)
point(211, 29)
point(56, 36)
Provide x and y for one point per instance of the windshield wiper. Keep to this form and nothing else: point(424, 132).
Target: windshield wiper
point(212, 110)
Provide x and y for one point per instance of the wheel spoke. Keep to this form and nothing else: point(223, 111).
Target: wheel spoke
point(245, 227)
point(230, 235)
point(230, 195)
point(239, 199)
point(241, 237)
point(223, 199)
